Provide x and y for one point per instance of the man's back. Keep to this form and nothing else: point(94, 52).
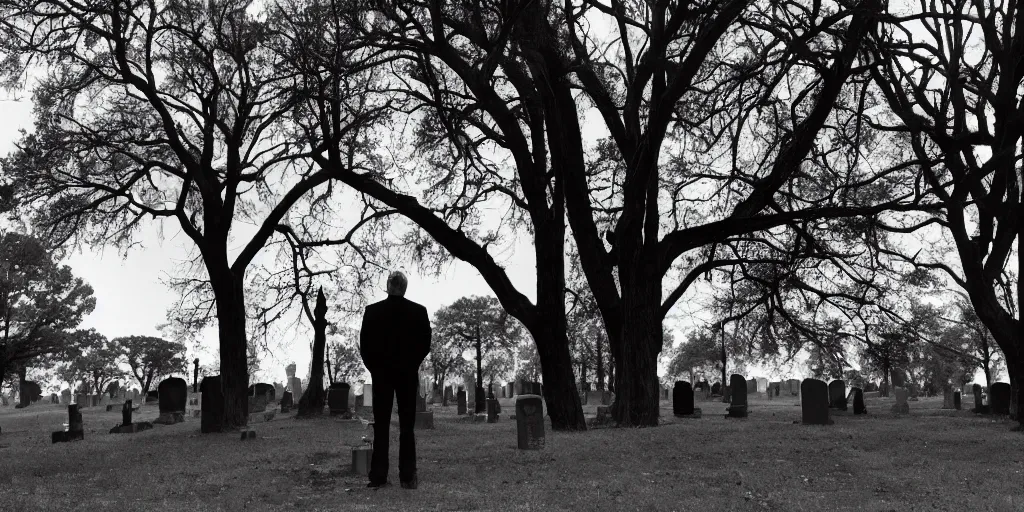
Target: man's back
point(395, 335)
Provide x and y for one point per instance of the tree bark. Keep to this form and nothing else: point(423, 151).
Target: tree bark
point(313, 399)
point(600, 366)
point(231, 330)
point(636, 402)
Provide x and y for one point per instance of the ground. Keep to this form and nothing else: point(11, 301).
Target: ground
point(930, 460)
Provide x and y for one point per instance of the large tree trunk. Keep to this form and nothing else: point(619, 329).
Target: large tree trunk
point(563, 402)
point(234, 371)
point(600, 366)
point(313, 399)
point(636, 401)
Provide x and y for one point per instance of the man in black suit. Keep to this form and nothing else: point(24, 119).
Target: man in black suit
point(393, 341)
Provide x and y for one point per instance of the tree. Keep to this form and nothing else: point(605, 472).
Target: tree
point(954, 94)
point(484, 327)
point(676, 84)
point(92, 360)
point(446, 356)
point(314, 398)
point(700, 354)
point(188, 121)
point(40, 303)
point(150, 358)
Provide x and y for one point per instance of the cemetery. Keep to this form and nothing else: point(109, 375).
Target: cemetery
point(764, 461)
point(706, 255)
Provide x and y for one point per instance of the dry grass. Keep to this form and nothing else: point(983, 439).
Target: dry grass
point(931, 460)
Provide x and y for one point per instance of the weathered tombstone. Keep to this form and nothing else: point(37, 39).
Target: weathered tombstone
point(295, 386)
point(278, 389)
point(814, 402)
point(837, 395)
point(127, 426)
point(75, 431)
point(54, 399)
point(751, 386)
point(947, 397)
point(956, 400)
point(901, 406)
point(462, 401)
point(337, 399)
point(738, 407)
point(530, 422)
point(173, 394)
point(716, 388)
point(509, 391)
point(361, 456)
point(262, 388)
point(65, 396)
point(762, 384)
point(682, 399)
point(368, 394)
point(858, 401)
point(212, 419)
point(979, 405)
point(287, 402)
point(449, 395)
point(492, 410)
point(999, 398)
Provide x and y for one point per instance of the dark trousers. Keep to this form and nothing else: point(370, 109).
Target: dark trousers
point(387, 387)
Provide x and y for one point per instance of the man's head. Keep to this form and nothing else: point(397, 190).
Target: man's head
point(397, 283)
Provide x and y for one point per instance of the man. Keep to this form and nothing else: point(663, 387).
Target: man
point(393, 341)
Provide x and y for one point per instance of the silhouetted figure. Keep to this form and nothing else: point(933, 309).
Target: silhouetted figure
point(393, 341)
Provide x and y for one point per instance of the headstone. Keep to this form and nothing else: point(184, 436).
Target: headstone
point(359, 401)
point(858, 401)
point(738, 407)
point(127, 426)
point(257, 404)
point(287, 402)
point(509, 392)
point(195, 405)
point(213, 404)
point(337, 399)
point(361, 456)
point(195, 375)
point(278, 389)
point(530, 422)
point(762, 385)
point(517, 387)
point(999, 398)
point(682, 399)
point(449, 394)
point(751, 386)
point(814, 403)
point(901, 406)
point(947, 397)
point(75, 431)
point(295, 386)
point(837, 395)
point(979, 405)
point(462, 402)
point(492, 410)
point(716, 388)
point(956, 400)
point(65, 396)
point(173, 394)
point(368, 394)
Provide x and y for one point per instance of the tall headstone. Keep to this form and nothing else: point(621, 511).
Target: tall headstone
point(762, 385)
point(278, 389)
point(682, 399)
point(530, 422)
point(979, 405)
point(956, 400)
point(837, 395)
point(901, 406)
point(462, 401)
point(449, 394)
point(212, 419)
point(65, 396)
point(337, 399)
point(738, 407)
point(858, 401)
point(999, 398)
point(195, 375)
point(75, 431)
point(751, 386)
point(814, 402)
point(295, 386)
point(287, 402)
point(173, 394)
point(947, 397)
point(492, 410)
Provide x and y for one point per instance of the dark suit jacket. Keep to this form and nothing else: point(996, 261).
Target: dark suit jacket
point(395, 336)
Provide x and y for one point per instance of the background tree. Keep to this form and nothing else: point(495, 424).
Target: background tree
point(41, 302)
point(446, 356)
point(698, 355)
point(950, 75)
point(151, 358)
point(486, 330)
point(187, 120)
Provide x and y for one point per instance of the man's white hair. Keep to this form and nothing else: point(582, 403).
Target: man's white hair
point(397, 284)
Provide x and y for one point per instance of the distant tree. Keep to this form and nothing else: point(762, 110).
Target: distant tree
point(446, 356)
point(699, 354)
point(41, 302)
point(93, 360)
point(486, 330)
point(151, 357)
point(346, 363)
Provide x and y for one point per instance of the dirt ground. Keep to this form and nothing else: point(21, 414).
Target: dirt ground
point(929, 460)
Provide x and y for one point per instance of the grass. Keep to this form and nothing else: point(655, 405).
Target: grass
point(929, 460)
